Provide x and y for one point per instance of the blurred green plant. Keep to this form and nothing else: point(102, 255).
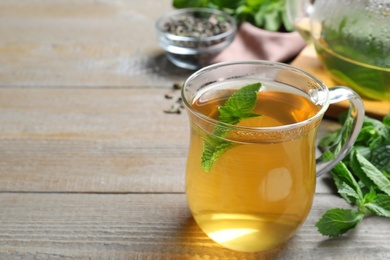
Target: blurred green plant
point(265, 14)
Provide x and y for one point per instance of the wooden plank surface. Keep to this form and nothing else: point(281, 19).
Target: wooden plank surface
point(83, 43)
point(91, 140)
point(155, 226)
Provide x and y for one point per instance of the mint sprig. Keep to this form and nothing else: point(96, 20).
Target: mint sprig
point(239, 106)
point(362, 178)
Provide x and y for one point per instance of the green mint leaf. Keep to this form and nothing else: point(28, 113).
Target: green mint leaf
point(349, 194)
point(230, 4)
point(382, 136)
point(380, 206)
point(379, 143)
point(335, 141)
point(377, 210)
point(366, 133)
point(381, 157)
point(329, 139)
point(286, 21)
point(358, 171)
point(363, 150)
point(375, 175)
point(273, 19)
point(259, 18)
point(336, 222)
point(370, 196)
point(375, 138)
point(386, 120)
point(342, 175)
point(238, 106)
point(187, 3)
point(345, 132)
point(372, 123)
point(379, 131)
point(211, 152)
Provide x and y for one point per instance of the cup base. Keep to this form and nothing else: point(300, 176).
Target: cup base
point(248, 232)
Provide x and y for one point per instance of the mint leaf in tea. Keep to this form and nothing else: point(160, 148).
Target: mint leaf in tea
point(239, 106)
point(247, 107)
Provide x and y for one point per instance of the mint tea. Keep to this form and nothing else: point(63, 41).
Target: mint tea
point(259, 190)
point(252, 167)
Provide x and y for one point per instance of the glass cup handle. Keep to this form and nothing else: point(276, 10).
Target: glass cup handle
point(351, 128)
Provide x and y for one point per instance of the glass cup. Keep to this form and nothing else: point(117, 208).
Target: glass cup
point(260, 185)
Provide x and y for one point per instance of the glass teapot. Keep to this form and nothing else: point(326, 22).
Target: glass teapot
point(352, 40)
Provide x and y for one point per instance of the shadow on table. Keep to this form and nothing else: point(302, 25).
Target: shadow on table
point(163, 67)
point(328, 181)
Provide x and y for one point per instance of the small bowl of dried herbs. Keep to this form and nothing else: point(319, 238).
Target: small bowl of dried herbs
point(192, 37)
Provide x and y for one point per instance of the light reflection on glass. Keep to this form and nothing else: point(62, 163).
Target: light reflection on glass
point(230, 234)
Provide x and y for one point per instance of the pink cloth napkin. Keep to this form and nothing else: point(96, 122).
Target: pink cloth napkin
point(252, 43)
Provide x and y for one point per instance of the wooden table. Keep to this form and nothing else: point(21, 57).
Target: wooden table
point(90, 165)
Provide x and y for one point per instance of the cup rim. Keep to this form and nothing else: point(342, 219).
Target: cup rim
point(287, 127)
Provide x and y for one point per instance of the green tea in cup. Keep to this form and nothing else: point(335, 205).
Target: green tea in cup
point(251, 168)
